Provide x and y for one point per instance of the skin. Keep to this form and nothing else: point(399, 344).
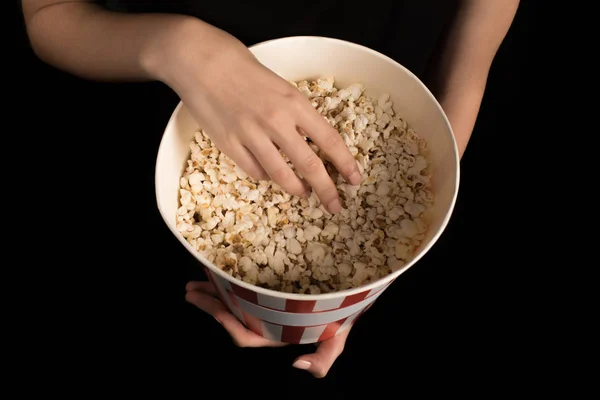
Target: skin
point(248, 111)
point(464, 61)
point(88, 41)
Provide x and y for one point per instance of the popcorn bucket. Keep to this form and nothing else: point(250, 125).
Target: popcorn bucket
point(310, 318)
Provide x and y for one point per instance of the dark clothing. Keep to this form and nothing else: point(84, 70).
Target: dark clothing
point(405, 30)
point(103, 279)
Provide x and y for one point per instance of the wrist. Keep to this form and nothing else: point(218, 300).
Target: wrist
point(185, 48)
point(164, 47)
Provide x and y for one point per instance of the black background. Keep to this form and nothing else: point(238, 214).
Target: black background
point(109, 276)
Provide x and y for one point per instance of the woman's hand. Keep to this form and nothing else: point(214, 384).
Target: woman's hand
point(204, 296)
point(250, 113)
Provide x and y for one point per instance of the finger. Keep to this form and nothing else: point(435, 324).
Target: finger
point(206, 302)
point(328, 139)
point(202, 286)
point(244, 159)
point(310, 166)
point(320, 362)
point(276, 167)
point(241, 336)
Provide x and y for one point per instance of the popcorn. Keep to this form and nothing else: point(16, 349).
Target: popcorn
point(260, 234)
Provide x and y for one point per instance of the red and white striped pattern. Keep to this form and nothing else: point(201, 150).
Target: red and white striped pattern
point(293, 321)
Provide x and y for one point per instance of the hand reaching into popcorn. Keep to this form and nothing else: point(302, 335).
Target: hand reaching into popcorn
point(251, 114)
point(204, 296)
point(248, 111)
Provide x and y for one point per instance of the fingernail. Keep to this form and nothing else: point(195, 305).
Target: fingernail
point(301, 364)
point(354, 178)
point(334, 206)
point(217, 319)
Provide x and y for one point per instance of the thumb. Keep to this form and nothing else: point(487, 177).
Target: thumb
point(321, 361)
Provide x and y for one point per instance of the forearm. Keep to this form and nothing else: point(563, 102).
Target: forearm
point(462, 68)
point(461, 106)
point(86, 40)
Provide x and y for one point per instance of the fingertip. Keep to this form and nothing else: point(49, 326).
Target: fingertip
point(334, 206)
point(313, 369)
point(302, 364)
point(192, 298)
point(318, 374)
point(220, 316)
point(354, 178)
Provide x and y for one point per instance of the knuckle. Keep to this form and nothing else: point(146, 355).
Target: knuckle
point(328, 194)
point(247, 131)
point(245, 122)
point(282, 175)
point(226, 142)
point(312, 164)
point(276, 117)
point(348, 166)
point(189, 297)
point(332, 139)
point(288, 180)
point(297, 101)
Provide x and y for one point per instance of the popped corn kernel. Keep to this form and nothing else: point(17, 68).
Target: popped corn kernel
point(256, 232)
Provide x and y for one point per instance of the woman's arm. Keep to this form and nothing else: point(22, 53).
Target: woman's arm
point(88, 41)
point(461, 71)
point(250, 113)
